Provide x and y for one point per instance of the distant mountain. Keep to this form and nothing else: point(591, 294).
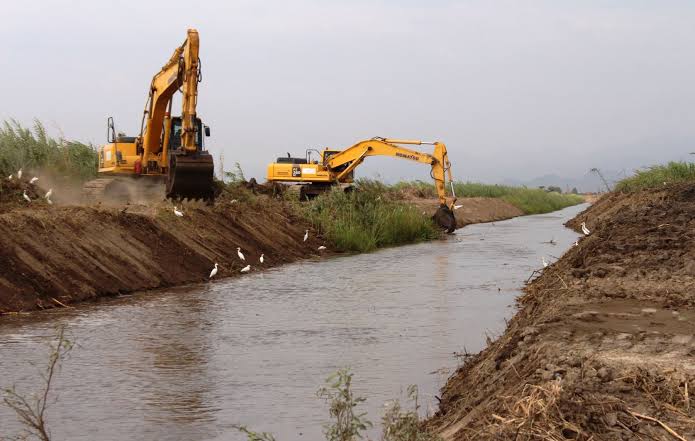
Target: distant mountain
point(590, 182)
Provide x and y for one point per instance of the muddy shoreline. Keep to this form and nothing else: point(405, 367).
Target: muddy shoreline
point(53, 256)
point(603, 344)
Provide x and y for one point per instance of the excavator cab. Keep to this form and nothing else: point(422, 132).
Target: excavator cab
point(177, 128)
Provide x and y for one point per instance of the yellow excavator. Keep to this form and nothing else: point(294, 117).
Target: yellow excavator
point(336, 167)
point(169, 149)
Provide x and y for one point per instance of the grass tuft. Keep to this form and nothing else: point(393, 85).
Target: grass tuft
point(658, 175)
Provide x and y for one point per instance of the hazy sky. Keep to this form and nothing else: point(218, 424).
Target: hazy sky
point(516, 89)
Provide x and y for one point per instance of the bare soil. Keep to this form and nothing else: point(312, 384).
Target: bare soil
point(55, 255)
point(603, 345)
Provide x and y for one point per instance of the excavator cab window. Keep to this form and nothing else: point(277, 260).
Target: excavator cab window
point(175, 138)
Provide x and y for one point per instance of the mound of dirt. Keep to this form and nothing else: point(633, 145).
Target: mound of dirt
point(12, 194)
point(52, 255)
point(603, 345)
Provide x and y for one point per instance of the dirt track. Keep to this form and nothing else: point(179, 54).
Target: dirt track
point(604, 343)
point(52, 255)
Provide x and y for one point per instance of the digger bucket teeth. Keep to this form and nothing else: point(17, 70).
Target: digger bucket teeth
point(444, 217)
point(190, 176)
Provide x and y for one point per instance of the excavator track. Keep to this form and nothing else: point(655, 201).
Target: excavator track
point(99, 190)
point(190, 176)
point(123, 189)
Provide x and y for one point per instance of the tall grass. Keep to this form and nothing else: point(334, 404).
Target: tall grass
point(528, 200)
point(364, 220)
point(658, 175)
point(32, 148)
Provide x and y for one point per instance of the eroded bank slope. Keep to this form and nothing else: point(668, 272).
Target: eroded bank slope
point(603, 346)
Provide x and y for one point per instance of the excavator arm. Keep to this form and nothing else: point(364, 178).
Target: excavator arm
point(439, 160)
point(347, 160)
point(181, 71)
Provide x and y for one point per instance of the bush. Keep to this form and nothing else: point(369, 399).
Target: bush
point(26, 148)
point(658, 175)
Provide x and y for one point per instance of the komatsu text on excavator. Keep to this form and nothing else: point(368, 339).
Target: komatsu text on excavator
point(333, 167)
point(169, 149)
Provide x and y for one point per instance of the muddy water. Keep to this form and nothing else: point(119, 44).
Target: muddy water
point(189, 363)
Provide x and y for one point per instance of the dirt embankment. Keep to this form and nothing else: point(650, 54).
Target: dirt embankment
point(603, 346)
point(51, 255)
point(54, 255)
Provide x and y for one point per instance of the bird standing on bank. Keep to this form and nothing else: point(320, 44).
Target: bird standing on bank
point(321, 248)
point(177, 212)
point(10, 177)
point(213, 272)
point(34, 179)
point(240, 254)
point(246, 269)
point(306, 235)
point(19, 174)
point(545, 263)
point(260, 259)
point(576, 243)
point(26, 198)
point(585, 230)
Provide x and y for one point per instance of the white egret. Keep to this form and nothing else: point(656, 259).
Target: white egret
point(584, 229)
point(48, 193)
point(19, 174)
point(177, 212)
point(306, 235)
point(10, 177)
point(576, 243)
point(233, 201)
point(321, 248)
point(240, 254)
point(260, 259)
point(545, 264)
point(213, 272)
point(246, 269)
point(34, 179)
point(456, 207)
point(26, 198)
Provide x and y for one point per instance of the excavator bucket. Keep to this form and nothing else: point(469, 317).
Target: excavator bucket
point(190, 176)
point(444, 217)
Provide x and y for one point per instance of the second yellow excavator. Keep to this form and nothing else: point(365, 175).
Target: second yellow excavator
point(169, 149)
point(336, 167)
